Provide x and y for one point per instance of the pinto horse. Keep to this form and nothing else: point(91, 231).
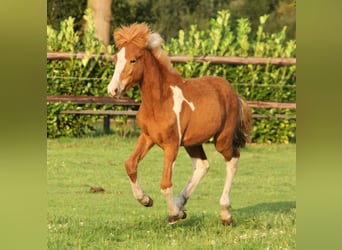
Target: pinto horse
point(177, 112)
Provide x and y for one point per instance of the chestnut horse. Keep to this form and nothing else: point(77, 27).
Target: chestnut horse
point(177, 112)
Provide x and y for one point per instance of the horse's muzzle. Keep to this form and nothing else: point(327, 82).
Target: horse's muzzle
point(113, 92)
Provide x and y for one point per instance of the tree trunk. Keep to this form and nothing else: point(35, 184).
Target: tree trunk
point(102, 16)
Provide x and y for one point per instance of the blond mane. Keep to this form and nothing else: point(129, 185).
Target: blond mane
point(141, 36)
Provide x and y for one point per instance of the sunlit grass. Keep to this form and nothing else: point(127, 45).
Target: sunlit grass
point(263, 199)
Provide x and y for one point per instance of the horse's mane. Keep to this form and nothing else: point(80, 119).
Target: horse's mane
point(141, 36)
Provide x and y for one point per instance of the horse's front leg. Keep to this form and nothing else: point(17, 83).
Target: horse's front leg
point(144, 144)
point(175, 214)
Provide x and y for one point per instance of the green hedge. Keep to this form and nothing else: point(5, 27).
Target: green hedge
point(75, 77)
point(254, 82)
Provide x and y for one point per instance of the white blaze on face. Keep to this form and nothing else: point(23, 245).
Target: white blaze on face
point(178, 100)
point(114, 85)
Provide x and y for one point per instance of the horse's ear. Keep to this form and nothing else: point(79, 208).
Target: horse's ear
point(154, 41)
point(154, 45)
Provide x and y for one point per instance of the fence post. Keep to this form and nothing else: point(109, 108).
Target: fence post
point(106, 124)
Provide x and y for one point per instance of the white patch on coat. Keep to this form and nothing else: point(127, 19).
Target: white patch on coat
point(120, 64)
point(178, 99)
point(137, 191)
point(231, 168)
point(200, 168)
point(138, 194)
point(168, 194)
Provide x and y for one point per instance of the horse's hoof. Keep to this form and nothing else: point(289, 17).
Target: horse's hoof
point(146, 201)
point(228, 221)
point(174, 219)
point(182, 214)
point(150, 202)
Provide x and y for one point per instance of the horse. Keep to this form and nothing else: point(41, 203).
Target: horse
point(177, 112)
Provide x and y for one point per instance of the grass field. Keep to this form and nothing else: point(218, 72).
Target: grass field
point(263, 199)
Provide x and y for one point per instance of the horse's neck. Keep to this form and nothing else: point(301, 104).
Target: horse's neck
point(155, 87)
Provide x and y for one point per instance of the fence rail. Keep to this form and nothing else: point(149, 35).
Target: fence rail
point(102, 100)
point(183, 58)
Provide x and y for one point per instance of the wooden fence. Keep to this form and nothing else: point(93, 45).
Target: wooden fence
point(103, 100)
point(183, 59)
point(179, 59)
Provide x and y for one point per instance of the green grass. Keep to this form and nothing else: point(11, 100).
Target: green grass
point(263, 199)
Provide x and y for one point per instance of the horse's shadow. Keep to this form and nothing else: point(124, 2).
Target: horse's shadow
point(275, 207)
point(197, 221)
point(242, 215)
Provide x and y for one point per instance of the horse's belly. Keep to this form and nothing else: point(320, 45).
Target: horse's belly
point(198, 132)
point(195, 140)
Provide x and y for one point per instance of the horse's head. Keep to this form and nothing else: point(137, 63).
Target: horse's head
point(133, 42)
point(128, 69)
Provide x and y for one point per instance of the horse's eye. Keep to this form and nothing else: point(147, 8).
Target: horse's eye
point(133, 61)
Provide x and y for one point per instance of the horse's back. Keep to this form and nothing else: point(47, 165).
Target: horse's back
point(217, 83)
point(211, 89)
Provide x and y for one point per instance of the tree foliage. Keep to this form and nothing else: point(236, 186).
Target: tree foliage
point(59, 10)
point(169, 16)
point(282, 13)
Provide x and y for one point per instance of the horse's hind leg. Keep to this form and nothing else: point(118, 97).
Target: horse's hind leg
point(200, 168)
point(231, 168)
point(143, 146)
point(232, 156)
point(224, 146)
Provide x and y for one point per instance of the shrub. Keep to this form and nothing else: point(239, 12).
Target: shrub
point(75, 77)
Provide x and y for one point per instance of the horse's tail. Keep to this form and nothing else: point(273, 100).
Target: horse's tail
point(243, 125)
